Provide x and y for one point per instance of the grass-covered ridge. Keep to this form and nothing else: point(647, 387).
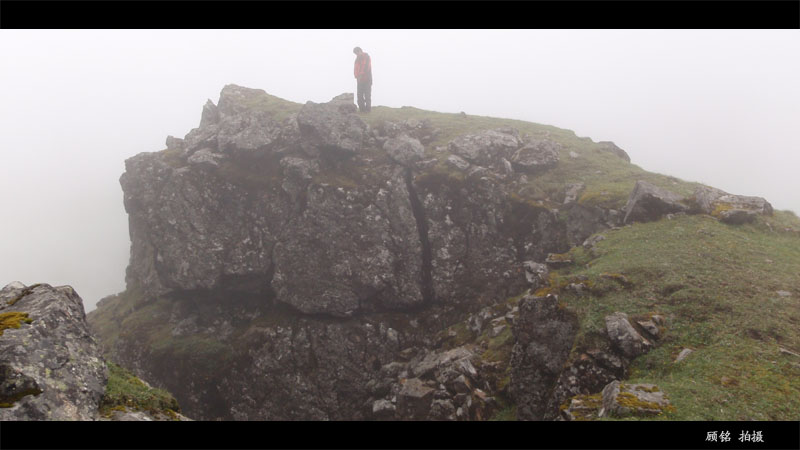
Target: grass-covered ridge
point(717, 285)
point(608, 178)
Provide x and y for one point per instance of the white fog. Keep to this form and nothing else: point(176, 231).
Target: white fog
point(721, 107)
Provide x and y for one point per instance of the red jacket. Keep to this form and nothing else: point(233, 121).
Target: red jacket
point(363, 68)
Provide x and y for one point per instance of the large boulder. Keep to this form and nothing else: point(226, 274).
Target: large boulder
point(536, 156)
point(331, 129)
point(51, 367)
point(729, 208)
point(624, 337)
point(622, 399)
point(648, 202)
point(404, 149)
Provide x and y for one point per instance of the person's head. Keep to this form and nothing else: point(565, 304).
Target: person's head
point(357, 51)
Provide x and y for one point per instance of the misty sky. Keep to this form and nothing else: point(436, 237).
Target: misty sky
point(720, 107)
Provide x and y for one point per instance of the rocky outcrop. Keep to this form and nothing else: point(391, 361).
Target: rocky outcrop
point(610, 147)
point(297, 252)
point(50, 365)
point(648, 202)
point(544, 334)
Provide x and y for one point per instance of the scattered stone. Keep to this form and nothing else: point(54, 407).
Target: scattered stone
point(783, 293)
point(650, 327)
point(625, 337)
point(573, 155)
point(535, 273)
point(683, 354)
point(633, 399)
point(414, 400)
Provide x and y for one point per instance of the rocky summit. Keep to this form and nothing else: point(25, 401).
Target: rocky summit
point(308, 262)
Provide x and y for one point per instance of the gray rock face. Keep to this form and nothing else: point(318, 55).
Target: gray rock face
point(50, 367)
point(194, 230)
point(648, 202)
point(479, 238)
point(544, 335)
point(351, 250)
point(625, 337)
point(537, 156)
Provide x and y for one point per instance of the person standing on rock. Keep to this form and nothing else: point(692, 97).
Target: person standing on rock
point(363, 73)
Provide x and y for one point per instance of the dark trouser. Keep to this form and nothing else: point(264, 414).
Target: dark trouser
point(364, 95)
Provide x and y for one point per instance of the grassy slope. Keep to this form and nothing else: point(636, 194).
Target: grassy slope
point(717, 285)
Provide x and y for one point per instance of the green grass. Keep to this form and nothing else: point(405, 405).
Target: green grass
point(125, 391)
point(716, 284)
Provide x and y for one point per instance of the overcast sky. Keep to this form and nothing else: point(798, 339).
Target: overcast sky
point(717, 106)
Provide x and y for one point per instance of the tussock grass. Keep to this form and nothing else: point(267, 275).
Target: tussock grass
point(716, 285)
point(125, 390)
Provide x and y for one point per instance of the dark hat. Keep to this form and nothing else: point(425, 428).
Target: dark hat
point(357, 50)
